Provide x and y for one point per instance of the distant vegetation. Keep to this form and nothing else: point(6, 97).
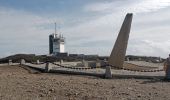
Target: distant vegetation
point(33, 58)
point(144, 58)
point(44, 58)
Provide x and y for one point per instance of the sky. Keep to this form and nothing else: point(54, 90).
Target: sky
point(89, 26)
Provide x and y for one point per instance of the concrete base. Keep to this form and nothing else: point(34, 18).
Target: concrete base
point(168, 72)
point(10, 62)
point(38, 62)
point(61, 61)
point(91, 64)
point(22, 62)
point(98, 63)
point(85, 63)
point(47, 67)
point(108, 73)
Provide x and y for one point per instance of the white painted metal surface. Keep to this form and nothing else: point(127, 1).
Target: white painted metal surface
point(58, 44)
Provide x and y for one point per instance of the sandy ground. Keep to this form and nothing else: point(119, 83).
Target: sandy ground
point(17, 84)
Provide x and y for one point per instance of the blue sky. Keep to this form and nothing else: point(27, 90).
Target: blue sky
point(90, 26)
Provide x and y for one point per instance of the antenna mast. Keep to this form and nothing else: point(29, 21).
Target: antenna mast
point(55, 27)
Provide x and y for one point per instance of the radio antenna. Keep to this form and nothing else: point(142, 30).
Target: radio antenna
point(55, 27)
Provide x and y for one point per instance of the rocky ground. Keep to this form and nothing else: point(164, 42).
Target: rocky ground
point(17, 83)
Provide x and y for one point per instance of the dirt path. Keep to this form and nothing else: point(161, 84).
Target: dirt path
point(17, 84)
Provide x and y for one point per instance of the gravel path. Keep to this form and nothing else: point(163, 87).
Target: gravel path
point(17, 84)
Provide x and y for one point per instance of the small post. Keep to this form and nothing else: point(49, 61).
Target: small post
point(9, 62)
point(85, 63)
point(38, 62)
point(98, 63)
point(167, 69)
point(61, 61)
point(103, 63)
point(108, 72)
point(47, 67)
point(22, 62)
point(127, 58)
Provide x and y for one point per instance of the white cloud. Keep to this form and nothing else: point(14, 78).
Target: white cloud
point(95, 7)
point(150, 48)
point(148, 23)
point(149, 5)
point(137, 6)
point(23, 32)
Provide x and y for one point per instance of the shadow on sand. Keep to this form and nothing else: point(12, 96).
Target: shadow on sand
point(147, 79)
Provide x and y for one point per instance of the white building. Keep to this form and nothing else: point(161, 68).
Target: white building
point(56, 44)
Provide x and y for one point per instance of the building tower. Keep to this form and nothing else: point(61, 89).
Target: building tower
point(56, 43)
